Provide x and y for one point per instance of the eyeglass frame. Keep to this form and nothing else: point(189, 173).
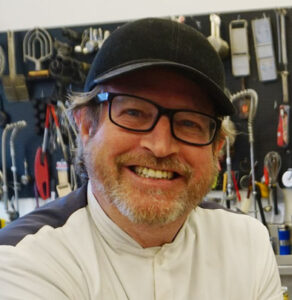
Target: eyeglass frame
point(169, 112)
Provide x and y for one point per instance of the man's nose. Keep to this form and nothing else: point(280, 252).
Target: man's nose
point(160, 140)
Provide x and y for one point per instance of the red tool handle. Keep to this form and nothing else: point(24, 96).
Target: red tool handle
point(42, 178)
point(283, 126)
point(236, 186)
point(53, 111)
point(47, 121)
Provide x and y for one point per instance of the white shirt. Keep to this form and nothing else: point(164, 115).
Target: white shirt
point(216, 255)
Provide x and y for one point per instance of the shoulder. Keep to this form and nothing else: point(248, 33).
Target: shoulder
point(54, 214)
point(228, 223)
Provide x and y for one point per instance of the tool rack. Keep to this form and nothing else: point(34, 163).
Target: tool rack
point(269, 96)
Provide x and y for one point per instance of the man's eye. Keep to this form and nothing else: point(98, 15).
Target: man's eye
point(132, 112)
point(189, 124)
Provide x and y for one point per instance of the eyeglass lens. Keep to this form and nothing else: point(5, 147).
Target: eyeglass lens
point(137, 114)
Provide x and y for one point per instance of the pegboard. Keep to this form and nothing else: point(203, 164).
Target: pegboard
point(265, 123)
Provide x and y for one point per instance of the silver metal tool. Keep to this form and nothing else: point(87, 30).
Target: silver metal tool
point(17, 127)
point(37, 46)
point(252, 112)
point(215, 39)
point(92, 40)
point(284, 109)
point(239, 47)
point(14, 84)
point(283, 58)
point(7, 128)
point(263, 42)
point(273, 164)
point(2, 61)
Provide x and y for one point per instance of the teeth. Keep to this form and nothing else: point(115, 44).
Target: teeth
point(150, 173)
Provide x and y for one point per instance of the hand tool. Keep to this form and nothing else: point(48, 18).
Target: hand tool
point(13, 161)
point(252, 111)
point(228, 183)
point(25, 178)
point(61, 105)
point(2, 61)
point(37, 47)
point(41, 167)
point(72, 146)
point(215, 39)
point(92, 40)
point(239, 47)
point(263, 41)
point(272, 162)
point(68, 70)
point(284, 109)
point(63, 188)
point(14, 85)
point(7, 128)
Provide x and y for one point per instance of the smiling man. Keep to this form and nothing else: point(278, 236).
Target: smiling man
point(150, 133)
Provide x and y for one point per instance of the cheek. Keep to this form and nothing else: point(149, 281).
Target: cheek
point(201, 160)
point(110, 141)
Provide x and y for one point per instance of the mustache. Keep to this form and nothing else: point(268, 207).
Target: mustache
point(162, 163)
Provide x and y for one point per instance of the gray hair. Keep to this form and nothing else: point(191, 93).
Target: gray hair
point(77, 101)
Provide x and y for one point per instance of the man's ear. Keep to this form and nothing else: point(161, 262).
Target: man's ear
point(219, 145)
point(83, 124)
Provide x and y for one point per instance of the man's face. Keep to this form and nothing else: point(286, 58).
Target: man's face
point(150, 177)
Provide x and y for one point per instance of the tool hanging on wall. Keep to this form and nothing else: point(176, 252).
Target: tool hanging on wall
point(63, 187)
point(284, 109)
point(92, 40)
point(240, 60)
point(14, 84)
point(20, 124)
point(230, 190)
point(41, 167)
point(25, 179)
point(215, 39)
point(37, 47)
point(66, 69)
point(239, 48)
point(272, 163)
point(2, 61)
point(252, 112)
point(69, 128)
point(264, 50)
point(13, 162)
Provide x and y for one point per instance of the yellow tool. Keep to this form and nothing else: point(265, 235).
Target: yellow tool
point(2, 223)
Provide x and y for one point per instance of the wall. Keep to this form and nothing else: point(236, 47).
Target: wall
point(26, 14)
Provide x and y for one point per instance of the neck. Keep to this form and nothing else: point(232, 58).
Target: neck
point(144, 234)
point(150, 235)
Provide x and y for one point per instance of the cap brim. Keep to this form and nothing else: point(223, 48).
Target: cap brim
point(223, 105)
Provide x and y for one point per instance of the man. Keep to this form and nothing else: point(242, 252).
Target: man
point(150, 133)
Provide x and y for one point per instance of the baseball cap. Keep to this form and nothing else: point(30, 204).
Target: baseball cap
point(159, 42)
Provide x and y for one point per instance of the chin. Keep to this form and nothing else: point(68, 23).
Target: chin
point(154, 208)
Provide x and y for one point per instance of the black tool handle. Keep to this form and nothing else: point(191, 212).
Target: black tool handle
point(275, 199)
point(258, 198)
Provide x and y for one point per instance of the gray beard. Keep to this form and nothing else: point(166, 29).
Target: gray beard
point(110, 184)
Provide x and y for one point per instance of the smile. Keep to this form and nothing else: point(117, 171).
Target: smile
point(151, 173)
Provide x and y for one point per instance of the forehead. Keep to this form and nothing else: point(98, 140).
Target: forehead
point(164, 86)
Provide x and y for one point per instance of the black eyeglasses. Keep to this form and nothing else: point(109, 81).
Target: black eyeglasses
point(141, 115)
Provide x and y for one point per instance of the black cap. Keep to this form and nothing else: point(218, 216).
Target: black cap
point(160, 42)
